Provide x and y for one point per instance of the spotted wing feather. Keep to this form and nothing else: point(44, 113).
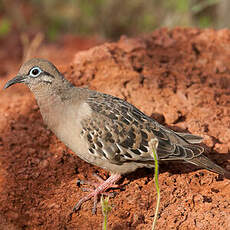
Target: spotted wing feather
point(119, 132)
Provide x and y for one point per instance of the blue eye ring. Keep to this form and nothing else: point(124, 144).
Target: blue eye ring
point(35, 72)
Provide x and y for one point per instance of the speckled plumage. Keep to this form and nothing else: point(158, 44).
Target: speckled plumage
point(120, 133)
point(104, 130)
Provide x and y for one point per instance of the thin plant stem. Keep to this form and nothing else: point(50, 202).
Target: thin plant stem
point(154, 144)
point(106, 208)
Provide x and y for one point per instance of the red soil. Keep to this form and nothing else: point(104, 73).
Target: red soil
point(181, 78)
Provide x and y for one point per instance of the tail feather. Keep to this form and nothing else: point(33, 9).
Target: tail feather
point(190, 138)
point(204, 162)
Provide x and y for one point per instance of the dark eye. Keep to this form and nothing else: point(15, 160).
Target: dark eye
point(35, 71)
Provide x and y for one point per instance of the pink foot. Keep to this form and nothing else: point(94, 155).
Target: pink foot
point(100, 189)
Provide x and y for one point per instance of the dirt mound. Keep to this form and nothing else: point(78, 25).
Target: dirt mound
point(180, 77)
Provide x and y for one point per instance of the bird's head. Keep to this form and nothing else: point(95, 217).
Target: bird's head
point(36, 72)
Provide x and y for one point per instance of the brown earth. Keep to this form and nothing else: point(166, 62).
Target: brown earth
point(180, 77)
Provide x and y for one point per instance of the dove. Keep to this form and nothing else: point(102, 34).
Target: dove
point(104, 130)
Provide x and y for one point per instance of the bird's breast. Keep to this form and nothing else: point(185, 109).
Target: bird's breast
point(64, 119)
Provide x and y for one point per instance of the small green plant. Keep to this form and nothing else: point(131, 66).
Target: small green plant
point(154, 144)
point(106, 209)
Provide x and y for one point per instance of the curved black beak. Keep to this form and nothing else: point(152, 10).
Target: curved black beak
point(17, 79)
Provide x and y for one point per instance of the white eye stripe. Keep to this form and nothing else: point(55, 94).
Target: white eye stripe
point(35, 72)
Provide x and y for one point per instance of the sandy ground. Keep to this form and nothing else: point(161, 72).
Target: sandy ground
point(180, 77)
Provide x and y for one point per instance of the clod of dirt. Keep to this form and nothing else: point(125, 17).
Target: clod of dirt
point(181, 77)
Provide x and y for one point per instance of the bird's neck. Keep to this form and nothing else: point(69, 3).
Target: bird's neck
point(51, 96)
point(49, 93)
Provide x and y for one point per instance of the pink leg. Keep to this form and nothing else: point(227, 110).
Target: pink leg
point(96, 184)
point(100, 189)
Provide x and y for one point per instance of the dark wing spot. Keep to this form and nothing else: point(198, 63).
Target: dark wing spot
point(128, 143)
point(135, 123)
point(124, 109)
point(144, 135)
point(143, 148)
point(108, 135)
point(117, 157)
point(111, 140)
point(136, 151)
point(122, 133)
point(112, 116)
point(100, 151)
point(99, 144)
point(118, 151)
point(159, 133)
point(131, 134)
point(91, 150)
point(116, 129)
point(128, 117)
point(125, 121)
point(116, 111)
point(128, 155)
point(92, 146)
point(100, 132)
point(89, 138)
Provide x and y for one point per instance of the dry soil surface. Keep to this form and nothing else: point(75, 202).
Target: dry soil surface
point(181, 78)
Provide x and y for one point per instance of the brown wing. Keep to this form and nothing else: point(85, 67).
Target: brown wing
point(119, 132)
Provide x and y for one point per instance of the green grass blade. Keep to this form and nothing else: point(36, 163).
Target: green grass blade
point(106, 208)
point(154, 144)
